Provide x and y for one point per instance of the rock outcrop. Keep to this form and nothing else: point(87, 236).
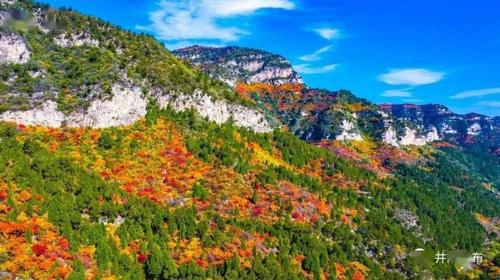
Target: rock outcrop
point(350, 131)
point(218, 111)
point(421, 124)
point(235, 64)
point(128, 104)
point(75, 40)
point(7, 2)
point(13, 49)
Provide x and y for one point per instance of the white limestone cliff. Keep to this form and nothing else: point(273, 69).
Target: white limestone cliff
point(75, 40)
point(47, 115)
point(13, 49)
point(276, 74)
point(128, 105)
point(218, 111)
point(125, 107)
point(349, 132)
point(474, 129)
point(410, 137)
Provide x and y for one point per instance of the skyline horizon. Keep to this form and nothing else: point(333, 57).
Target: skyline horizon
point(342, 44)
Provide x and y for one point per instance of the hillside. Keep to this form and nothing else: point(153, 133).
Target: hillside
point(120, 161)
point(58, 67)
point(235, 64)
point(318, 114)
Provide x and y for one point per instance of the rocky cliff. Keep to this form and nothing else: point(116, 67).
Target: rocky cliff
point(236, 64)
point(440, 123)
point(85, 72)
point(316, 114)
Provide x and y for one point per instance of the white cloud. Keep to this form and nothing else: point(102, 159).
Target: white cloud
point(315, 56)
point(494, 104)
point(328, 33)
point(183, 20)
point(411, 76)
point(476, 93)
point(308, 69)
point(396, 93)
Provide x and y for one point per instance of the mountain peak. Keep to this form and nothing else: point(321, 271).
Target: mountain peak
point(238, 64)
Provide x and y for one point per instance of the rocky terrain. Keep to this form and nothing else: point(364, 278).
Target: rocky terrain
point(33, 94)
point(448, 126)
point(235, 64)
point(118, 160)
point(315, 114)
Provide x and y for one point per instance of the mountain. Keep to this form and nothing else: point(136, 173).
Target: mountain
point(72, 70)
point(317, 114)
point(120, 161)
point(455, 128)
point(234, 64)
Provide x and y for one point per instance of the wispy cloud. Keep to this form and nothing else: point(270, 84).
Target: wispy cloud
point(315, 56)
point(186, 20)
point(476, 93)
point(308, 69)
point(328, 33)
point(396, 93)
point(411, 77)
point(494, 104)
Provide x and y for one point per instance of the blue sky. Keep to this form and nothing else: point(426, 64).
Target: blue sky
point(397, 51)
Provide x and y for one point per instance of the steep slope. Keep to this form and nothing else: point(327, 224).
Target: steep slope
point(234, 64)
point(61, 68)
point(186, 183)
point(316, 114)
point(455, 128)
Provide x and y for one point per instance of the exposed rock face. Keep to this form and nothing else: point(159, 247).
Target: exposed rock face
point(47, 115)
point(390, 136)
point(431, 122)
point(408, 219)
point(128, 105)
point(125, 107)
point(7, 2)
point(218, 111)
point(410, 136)
point(40, 20)
point(13, 49)
point(75, 40)
point(235, 64)
point(3, 17)
point(474, 129)
point(350, 131)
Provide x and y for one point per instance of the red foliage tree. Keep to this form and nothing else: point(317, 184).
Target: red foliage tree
point(3, 195)
point(141, 257)
point(358, 275)
point(39, 249)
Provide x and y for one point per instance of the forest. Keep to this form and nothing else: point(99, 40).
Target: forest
point(177, 196)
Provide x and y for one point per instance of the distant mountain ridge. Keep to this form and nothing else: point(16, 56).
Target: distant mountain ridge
point(315, 114)
point(120, 161)
point(450, 126)
point(236, 64)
